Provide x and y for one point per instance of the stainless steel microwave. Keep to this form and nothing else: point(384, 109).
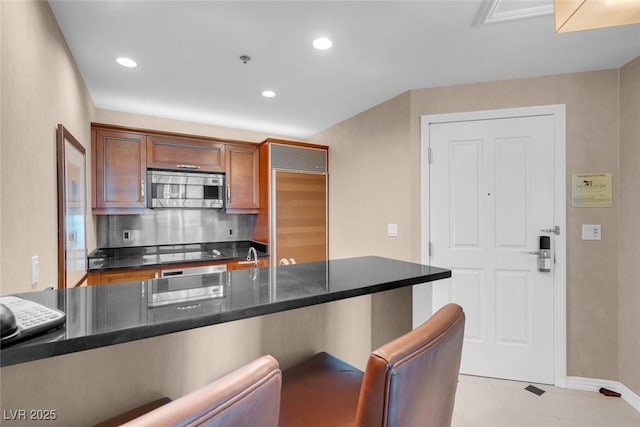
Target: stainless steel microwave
point(169, 189)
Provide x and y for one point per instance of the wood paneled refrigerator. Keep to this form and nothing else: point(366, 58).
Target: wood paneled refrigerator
point(293, 215)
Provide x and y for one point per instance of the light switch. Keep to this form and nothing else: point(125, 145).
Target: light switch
point(392, 230)
point(35, 270)
point(591, 232)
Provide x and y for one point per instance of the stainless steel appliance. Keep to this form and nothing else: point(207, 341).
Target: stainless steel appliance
point(187, 285)
point(170, 189)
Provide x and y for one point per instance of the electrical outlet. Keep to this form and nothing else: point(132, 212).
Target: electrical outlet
point(231, 232)
point(126, 235)
point(392, 230)
point(35, 270)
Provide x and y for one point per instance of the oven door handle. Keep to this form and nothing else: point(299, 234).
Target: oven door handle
point(171, 273)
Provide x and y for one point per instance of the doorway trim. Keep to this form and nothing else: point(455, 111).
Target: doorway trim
point(558, 112)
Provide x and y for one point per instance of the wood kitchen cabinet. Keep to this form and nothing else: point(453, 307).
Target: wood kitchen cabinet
point(120, 276)
point(168, 152)
point(118, 172)
point(122, 155)
point(242, 169)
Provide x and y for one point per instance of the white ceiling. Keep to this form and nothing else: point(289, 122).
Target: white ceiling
point(188, 66)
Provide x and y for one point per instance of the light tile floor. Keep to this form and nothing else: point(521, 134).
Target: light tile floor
point(489, 402)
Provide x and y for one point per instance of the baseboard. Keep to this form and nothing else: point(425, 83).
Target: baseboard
point(592, 384)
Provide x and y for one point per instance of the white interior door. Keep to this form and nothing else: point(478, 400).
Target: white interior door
point(491, 193)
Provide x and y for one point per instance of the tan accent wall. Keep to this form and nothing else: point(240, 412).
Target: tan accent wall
point(370, 186)
point(629, 267)
point(591, 100)
point(41, 87)
point(373, 153)
point(367, 159)
point(1, 135)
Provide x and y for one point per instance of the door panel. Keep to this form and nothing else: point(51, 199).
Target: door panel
point(467, 290)
point(512, 308)
point(491, 192)
point(511, 192)
point(465, 193)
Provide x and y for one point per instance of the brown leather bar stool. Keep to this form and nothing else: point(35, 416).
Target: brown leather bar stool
point(408, 382)
point(247, 397)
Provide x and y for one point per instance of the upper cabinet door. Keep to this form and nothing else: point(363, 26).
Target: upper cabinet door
point(119, 170)
point(242, 178)
point(166, 152)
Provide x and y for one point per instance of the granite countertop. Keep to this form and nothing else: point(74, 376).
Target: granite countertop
point(99, 316)
point(149, 256)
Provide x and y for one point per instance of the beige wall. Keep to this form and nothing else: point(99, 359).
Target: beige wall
point(1, 111)
point(629, 270)
point(367, 161)
point(592, 146)
point(41, 87)
point(375, 144)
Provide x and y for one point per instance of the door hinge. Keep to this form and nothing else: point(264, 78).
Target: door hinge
point(429, 155)
point(429, 249)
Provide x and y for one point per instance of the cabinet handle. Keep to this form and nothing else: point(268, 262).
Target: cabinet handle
point(188, 166)
point(228, 194)
point(142, 189)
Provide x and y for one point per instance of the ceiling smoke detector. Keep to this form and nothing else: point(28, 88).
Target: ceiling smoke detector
point(245, 58)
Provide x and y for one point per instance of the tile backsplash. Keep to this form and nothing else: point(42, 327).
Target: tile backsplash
point(172, 227)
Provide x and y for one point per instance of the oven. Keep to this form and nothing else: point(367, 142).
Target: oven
point(187, 285)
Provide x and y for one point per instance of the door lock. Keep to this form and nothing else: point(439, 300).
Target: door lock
point(544, 254)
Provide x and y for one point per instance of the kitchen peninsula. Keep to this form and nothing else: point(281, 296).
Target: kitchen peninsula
point(99, 316)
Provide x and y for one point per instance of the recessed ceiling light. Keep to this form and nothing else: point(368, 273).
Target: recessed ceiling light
point(322, 43)
point(268, 94)
point(126, 62)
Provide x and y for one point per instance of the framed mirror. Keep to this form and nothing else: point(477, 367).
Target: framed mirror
point(72, 210)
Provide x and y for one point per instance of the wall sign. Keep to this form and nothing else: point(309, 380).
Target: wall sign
point(591, 190)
